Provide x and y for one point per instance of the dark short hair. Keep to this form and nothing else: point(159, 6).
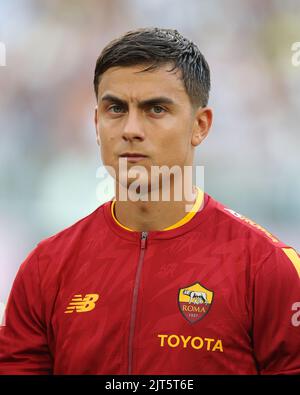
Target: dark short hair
point(155, 47)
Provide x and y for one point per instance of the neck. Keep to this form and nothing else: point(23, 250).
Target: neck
point(149, 215)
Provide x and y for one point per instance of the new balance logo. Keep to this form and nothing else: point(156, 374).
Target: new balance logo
point(82, 305)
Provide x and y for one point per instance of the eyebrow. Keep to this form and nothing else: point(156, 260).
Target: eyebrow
point(143, 103)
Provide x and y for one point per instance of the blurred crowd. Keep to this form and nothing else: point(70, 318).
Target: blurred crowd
point(48, 152)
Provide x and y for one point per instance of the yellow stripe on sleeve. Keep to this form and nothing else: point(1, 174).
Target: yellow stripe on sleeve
point(293, 257)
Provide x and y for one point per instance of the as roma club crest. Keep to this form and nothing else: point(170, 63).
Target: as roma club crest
point(194, 302)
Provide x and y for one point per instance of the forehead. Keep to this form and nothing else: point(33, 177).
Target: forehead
point(132, 82)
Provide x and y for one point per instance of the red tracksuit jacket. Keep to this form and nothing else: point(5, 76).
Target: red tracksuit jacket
point(218, 295)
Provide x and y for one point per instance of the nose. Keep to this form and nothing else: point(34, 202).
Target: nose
point(133, 128)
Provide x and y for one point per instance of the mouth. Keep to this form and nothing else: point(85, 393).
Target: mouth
point(133, 157)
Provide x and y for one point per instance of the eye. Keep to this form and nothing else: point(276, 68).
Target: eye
point(157, 109)
point(115, 109)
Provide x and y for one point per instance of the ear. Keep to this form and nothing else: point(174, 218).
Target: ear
point(202, 124)
point(96, 125)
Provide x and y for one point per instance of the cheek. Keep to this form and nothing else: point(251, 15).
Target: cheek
point(107, 148)
point(175, 144)
point(107, 153)
point(106, 137)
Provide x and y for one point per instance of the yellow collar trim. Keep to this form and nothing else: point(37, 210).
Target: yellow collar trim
point(184, 220)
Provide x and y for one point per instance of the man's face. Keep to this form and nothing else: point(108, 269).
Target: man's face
point(148, 113)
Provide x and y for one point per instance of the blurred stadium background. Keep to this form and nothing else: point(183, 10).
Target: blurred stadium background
point(48, 151)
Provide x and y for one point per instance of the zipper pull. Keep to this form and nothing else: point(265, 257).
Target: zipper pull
point(144, 236)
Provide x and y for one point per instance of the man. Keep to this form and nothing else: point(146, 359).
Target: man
point(145, 286)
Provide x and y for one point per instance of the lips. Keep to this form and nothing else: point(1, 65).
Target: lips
point(133, 157)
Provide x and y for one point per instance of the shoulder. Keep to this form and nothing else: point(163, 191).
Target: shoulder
point(256, 242)
point(243, 226)
point(62, 246)
point(83, 228)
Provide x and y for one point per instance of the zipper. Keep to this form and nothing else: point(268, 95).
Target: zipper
point(144, 236)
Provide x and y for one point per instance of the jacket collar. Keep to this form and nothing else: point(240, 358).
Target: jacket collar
point(199, 218)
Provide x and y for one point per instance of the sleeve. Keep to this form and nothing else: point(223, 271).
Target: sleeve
point(276, 319)
point(23, 334)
